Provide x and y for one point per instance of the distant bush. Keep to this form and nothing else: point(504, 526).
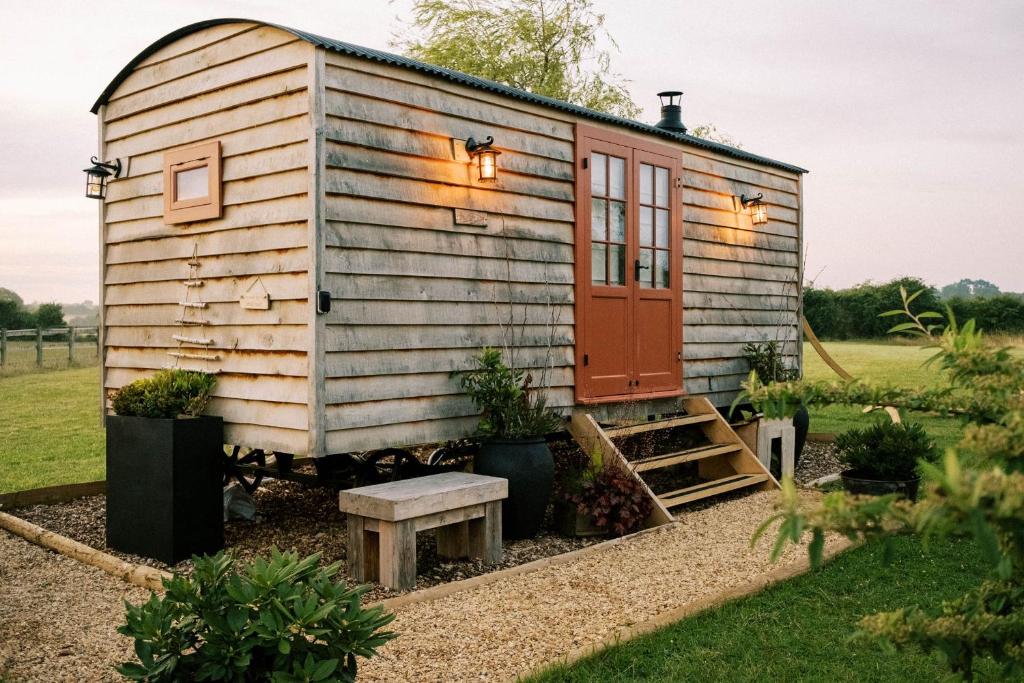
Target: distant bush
point(886, 450)
point(853, 313)
point(167, 394)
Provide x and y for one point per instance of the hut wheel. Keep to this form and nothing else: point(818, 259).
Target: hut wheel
point(250, 480)
point(390, 464)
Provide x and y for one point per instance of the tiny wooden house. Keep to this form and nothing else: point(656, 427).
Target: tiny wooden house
point(302, 216)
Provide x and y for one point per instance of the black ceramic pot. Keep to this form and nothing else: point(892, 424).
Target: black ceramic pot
point(164, 486)
point(855, 482)
point(530, 470)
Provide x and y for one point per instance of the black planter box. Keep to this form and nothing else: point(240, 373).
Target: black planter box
point(164, 486)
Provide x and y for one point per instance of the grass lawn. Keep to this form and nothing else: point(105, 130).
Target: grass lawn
point(50, 432)
point(879, 363)
point(799, 630)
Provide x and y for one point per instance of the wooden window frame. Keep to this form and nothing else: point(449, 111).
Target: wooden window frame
point(582, 269)
point(206, 154)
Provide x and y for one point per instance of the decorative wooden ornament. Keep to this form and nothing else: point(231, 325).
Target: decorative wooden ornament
point(256, 297)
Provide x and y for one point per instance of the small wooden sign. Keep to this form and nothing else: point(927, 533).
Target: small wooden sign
point(475, 218)
point(256, 298)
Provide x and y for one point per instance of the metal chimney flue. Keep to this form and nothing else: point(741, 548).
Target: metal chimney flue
point(671, 111)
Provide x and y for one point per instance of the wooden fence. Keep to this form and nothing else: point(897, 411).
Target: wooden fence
point(77, 341)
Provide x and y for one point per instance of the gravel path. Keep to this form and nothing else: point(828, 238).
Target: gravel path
point(507, 628)
point(818, 460)
point(58, 617)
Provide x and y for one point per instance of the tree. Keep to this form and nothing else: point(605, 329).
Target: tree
point(548, 47)
point(979, 492)
point(709, 131)
point(50, 315)
point(969, 289)
point(9, 295)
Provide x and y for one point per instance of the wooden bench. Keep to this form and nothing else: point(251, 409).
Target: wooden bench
point(383, 520)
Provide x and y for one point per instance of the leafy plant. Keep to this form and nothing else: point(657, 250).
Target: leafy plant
point(767, 361)
point(167, 394)
point(614, 500)
point(281, 620)
point(511, 409)
point(977, 492)
point(886, 451)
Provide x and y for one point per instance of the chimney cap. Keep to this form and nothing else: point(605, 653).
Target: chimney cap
point(670, 93)
point(671, 111)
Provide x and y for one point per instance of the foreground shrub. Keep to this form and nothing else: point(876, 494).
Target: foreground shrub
point(978, 491)
point(886, 451)
point(167, 394)
point(280, 620)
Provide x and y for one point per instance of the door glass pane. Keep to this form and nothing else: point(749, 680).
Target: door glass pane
point(598, 174)
point(617, 264)
point(662, 227)
point(597, 263)
point(661, 178)
point(598, 208)
point(646, 190)
point(645, 267)
point(617, 178)
point(646, 226)
point(661, 269)
point(192, 184)
point(617, 222)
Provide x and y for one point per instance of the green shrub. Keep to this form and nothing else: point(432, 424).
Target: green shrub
point(511, 409)
point(767, 361)
point(167, 394)
point(886, 451)
point(280, 620)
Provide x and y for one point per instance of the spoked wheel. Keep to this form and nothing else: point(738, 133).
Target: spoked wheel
point(389, 464)
point(249, 480)
point(453, 456)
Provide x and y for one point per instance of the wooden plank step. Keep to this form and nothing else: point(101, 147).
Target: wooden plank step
point(668, 459)
point(618, 432)
point(710, 488)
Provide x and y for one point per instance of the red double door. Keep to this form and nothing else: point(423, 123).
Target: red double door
point(629, 268)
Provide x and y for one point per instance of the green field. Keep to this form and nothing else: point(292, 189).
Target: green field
point(50, 429)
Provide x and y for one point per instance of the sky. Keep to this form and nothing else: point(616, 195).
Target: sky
point(908, 115)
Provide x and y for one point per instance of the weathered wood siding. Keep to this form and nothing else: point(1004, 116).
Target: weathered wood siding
point(415, 294)
point(741, 282)
point(247, 86)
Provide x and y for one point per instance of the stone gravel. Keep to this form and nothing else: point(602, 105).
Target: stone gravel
point(818, 460)
point(58, 617)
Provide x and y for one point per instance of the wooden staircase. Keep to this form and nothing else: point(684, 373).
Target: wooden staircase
point(653, 452)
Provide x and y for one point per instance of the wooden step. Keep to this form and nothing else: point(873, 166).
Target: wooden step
point(699, 453)
point(686, 420)
point(710, 488)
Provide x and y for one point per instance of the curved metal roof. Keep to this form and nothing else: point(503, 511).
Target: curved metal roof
point(450, 75)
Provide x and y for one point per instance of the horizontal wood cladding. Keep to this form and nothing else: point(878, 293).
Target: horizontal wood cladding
point(247, 87)
point(416, 294)
point(740, 281)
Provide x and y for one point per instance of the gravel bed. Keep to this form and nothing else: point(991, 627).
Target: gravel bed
point(818, 460)
point(507, 628)
point(58, 618)
point(307, 520)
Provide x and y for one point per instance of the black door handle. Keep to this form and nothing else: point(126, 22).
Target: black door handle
point(637, 268)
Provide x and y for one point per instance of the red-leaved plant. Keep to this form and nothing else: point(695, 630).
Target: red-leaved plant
point(613, 499)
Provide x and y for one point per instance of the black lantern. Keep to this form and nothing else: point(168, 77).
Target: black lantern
point(758, 209)
point(96, 177)
point(486, 158)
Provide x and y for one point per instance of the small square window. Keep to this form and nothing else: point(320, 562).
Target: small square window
point(192, 185)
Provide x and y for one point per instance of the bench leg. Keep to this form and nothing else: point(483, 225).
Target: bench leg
point(485, 534)
point(453, 541)
point(397, 554)
point(363, 551)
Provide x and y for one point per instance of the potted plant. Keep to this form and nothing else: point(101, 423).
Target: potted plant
point(514, 422)
point(572, 467)
point(597, 498)
point(883, 458)
point(164, 468)
point(767, 362)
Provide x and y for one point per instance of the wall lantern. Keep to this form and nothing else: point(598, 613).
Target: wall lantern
point(758, 209)
point(96, 177)
point(486, 158)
